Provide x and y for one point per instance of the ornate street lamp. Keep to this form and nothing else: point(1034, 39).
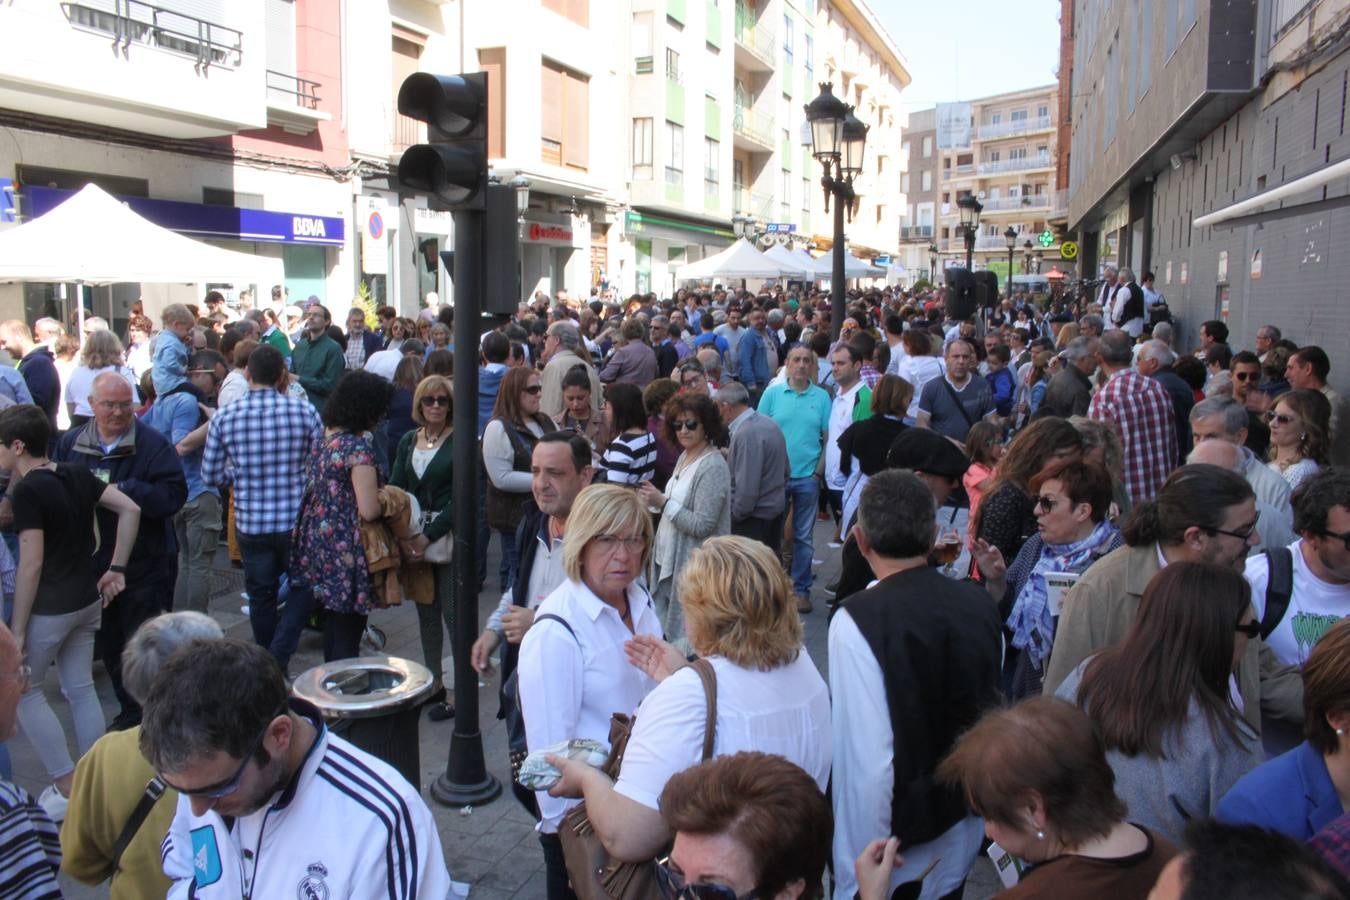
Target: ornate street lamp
point(1011, 237)
point(970, 208)
point(838, 141)
point(521, 185)
point(932, 263)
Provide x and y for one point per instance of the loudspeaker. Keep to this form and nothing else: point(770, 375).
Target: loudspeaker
point(960, 293)
point(986, 289)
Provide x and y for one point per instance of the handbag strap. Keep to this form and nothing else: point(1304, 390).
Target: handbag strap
point(708, 676)
point(956, 398)
point(154, 789)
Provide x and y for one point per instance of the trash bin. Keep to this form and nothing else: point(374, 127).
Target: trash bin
point(374, 702)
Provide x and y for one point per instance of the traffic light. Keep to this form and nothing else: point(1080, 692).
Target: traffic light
point(452, 166)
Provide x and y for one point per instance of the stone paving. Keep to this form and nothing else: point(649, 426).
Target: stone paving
point(491, 847)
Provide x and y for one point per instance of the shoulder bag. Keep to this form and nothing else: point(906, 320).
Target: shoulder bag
point(593, 873)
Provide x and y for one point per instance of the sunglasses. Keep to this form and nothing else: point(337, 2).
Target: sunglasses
point(1345, 538)
point(442, 400)
point(673, 887)
point(230, 785)
point(1246, 376)
point(1045, 502)
point(1251, 629)
point(686, 424)
point(1279, 418)
point(534, 389)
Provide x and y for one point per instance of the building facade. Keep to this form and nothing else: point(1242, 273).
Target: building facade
point(921, 184)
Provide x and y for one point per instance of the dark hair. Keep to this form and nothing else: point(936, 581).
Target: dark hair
point(186, 719)
point(864, 343)
point(1314, 498)
point(896, 514)
point(1315, 357)
point(387, 312)
point(496, 347)
point(1179, 651)
point(580, 447)
point(1192, 371)
point(229, 340)
point(28, 423)
point(409, 372)
point(1314, 412)
point(1000, 352)
point(1246, 862)
point(1030, 450)
point(1197, 495)
point(215, 297)
point(768, 805)
point(1326, 686)
point(981, 439)
point(358, 402)
point(917, 342)
point(1245, 357)
point(579, 376)
point(1216, 330)
point(439, 362)
point(894, 324)
point(1082, 483)
point(206, 359)
point(1220, 355)
point(1043, 746)
point(266, 365)
point(701, 406)
point(508, 407)
point(625, 400)
point(820, 343)
point(657, 392)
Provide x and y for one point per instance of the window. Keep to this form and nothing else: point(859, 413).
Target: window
point(1043, 152)
point(711, 155)
point(904, 183)
point(925, 180)
point(672, 64)
point(806, 198)
point(787, 39)
point(642, 149)
point(995, 118)
point(1018, 115)
point(881, 165)
point(493, 62)
point(642, 43)
point(904, 149)
point(674, 153)
point(406, 56)
point(1042, 112)
point(785, 200)
point(576, 10)
point(565, 117)
point(881, 213)
point(995, 155)
point(810, 57)
point(927, 146)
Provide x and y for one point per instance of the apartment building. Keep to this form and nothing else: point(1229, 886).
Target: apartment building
point(223, 121)
point(921, 185)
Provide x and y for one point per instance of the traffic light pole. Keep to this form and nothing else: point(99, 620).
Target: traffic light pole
point(466, 780)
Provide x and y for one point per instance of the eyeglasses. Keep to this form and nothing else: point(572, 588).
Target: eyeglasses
point(1345, 538)
point(118, 405)
point(608, 543)
point(1242, 534)
point(441, 400)
point(534, 389)
point(24, 674)
point(1045, 502)
point(1279, 418)
point(230, 785)
point(1251, 629)
point(673, 887)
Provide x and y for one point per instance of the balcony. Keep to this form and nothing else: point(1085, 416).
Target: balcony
point(409, 131)
point(1021, 164)
point(1016, 127)
point(916, 232)
point(986, 242)
point(755, 43)
point(751, 203)
point(957, 173)
point(1029, 202)
point(134, 22)
point(293, 103)
point(752, 131)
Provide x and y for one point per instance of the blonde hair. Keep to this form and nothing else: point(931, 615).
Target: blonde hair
point(604, 509)
point(738, 604)
point(101, 349)
point(177, 312)
point(426, 386)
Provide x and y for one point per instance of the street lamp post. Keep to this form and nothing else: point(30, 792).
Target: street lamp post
point(838, 140)
point(932, 263)
point(970, 223)
point(1011, 237)
point(1027, 259)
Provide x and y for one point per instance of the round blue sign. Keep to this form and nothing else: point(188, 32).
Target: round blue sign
point(375, 227)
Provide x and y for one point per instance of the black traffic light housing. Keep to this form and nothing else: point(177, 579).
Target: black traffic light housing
point(452, 166)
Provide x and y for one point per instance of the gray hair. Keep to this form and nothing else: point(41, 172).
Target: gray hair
point(775, 317)
point(155, 641)
point(1163, 332)
point(897, 514)
point(1269, 331)
point(1128, 273)
point(1116, 348)
point(1093, 321)
point(1234, 413)
point(567, 334)
point(733, 393)
point(1219, 453)
point(711, 361)
point(1111, 269)
point(1159, 352)
point(1078, 348)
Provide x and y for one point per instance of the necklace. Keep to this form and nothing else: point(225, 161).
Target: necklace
point(432, 441)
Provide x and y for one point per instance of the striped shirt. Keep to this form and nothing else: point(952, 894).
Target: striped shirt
point(630, 459)
point(30, 849)
point(265, 438)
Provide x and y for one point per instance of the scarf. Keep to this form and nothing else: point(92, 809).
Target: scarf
point(1032, 626)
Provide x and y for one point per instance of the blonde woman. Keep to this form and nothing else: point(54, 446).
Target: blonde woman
point(102, 352)
point(741, 616)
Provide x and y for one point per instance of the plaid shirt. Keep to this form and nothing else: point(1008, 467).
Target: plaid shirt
point(869, 375)
point(1142, 414)
point(266, 439)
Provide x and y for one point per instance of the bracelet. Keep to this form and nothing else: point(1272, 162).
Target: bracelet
point(120, 570)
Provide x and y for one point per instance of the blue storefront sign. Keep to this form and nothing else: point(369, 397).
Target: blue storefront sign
point(218, 222)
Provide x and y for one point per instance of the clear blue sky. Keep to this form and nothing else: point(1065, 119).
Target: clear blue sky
point(965, 49)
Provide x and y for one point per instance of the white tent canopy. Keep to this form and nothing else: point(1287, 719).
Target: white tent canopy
point(92, 238)
point(740, 260)
point(793, 265)
point(853, 267)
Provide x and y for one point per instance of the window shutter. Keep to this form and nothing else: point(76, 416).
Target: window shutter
point(576, 104)
point(280, 23)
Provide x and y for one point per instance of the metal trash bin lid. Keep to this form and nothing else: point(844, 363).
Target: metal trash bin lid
point(364, 687)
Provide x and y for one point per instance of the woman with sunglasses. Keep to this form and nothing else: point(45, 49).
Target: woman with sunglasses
point(1298, 435)
point(508, 443)
point(1072, 501)
point(746, 825)
point(695, 505)
point(1160, 698)
point(422, 467)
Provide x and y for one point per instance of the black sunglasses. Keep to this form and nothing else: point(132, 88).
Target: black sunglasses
point(686, 424)
point(1251, 629)
point(1345, 538)
point(673, 887)
point(441, 400)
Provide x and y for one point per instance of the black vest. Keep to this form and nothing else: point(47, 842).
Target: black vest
point(939, 644)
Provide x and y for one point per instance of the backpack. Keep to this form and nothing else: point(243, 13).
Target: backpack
point(1279, 588)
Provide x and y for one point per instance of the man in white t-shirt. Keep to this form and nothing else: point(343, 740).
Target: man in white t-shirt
point(1320, 594)
point(852, 403)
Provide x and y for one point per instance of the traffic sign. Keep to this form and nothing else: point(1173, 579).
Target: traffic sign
point(1047, 237)
point(1068, 250)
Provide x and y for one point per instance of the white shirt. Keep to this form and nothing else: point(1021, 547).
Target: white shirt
point(232, 388)
point(81, 383)
point(570, 684)
point(499, 455)
point(1314, 607)
point(898, 355)
point(1268, 484)
point(841, 416)
point(918, 371)
point(384, 363)
point(784, 711)
point(864, 777)
point(546, 573)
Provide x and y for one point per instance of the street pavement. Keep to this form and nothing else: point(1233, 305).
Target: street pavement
point(491, 847)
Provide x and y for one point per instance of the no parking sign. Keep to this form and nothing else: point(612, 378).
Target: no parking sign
point(374, 245)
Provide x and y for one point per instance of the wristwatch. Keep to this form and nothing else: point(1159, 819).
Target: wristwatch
point(120, 570)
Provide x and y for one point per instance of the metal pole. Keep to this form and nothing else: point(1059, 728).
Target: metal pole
point(970, 246)
point(466, 779)
point(837, 269)
point(1008, 287)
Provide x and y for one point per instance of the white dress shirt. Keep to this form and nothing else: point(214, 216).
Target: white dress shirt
point(784, 711)
point(864, 777)
point(570, 684)
point(841, 416)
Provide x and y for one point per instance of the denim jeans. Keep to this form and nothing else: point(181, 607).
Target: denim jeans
point(266, 558)
point(802, 494)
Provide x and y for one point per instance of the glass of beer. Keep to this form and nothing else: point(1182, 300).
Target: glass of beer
point(947, 550)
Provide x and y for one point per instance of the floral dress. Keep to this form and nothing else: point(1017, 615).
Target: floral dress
point(326, 549)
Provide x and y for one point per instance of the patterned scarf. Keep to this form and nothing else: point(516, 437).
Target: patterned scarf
point(1031, 623)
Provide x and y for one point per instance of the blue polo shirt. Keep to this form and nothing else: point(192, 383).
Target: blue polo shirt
point(803, 416)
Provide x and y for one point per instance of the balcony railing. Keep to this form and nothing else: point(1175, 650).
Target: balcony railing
point(753, 124)
point(751, 203)
point(133, 22)
point(407, 131)
point(755, 36)
point(1018, 126)
point(674, 175)
point(298, 91)
point(965, 170)
point(1030, 201)
point(916, 232)
point(1020, 164)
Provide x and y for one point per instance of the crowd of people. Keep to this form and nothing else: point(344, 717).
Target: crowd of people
point(1089, 616)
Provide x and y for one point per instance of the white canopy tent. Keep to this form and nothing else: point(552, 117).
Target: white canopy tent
point(92, 238)
point(794, 266)
point(740, 260)
point(853, 267)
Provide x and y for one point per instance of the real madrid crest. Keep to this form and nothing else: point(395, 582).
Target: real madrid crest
point(313, 886)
